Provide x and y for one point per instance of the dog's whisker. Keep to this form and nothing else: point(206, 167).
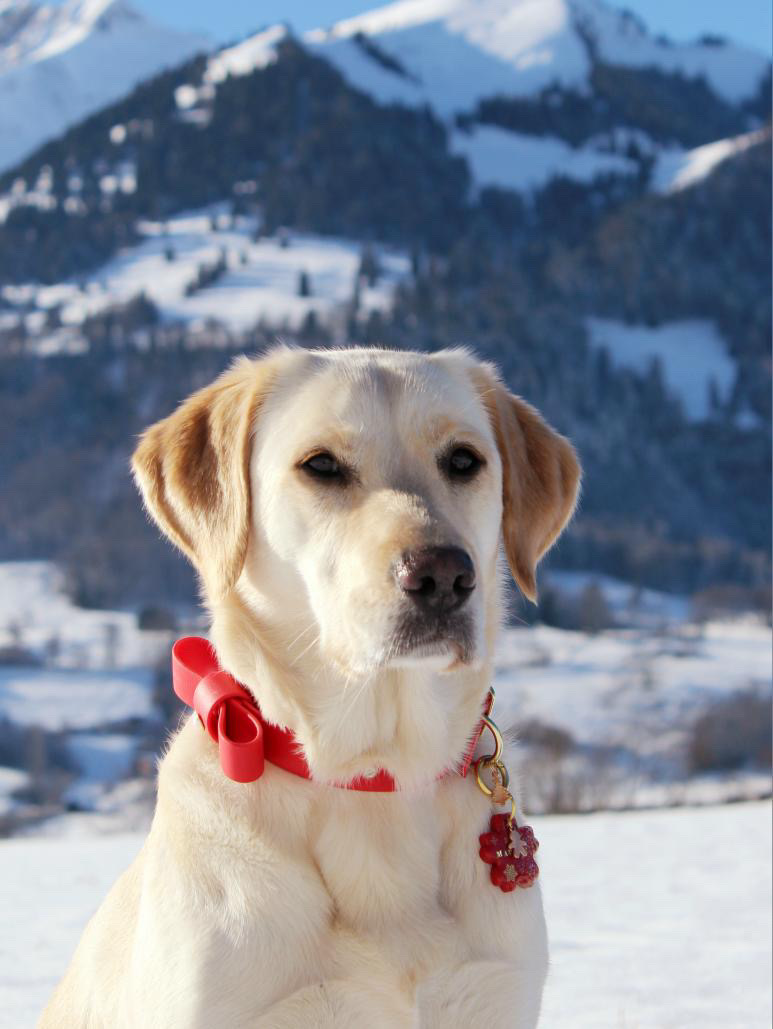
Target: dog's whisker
point(305, 650)
point(347, 682)
point(363, 685)
point(301, 634)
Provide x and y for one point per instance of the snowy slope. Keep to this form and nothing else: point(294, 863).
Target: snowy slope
point(58, 64)
point(692, 355)
point(513, 160)
point(61, 63)
point(259, 282)
point(679, 169)
point(650, 924)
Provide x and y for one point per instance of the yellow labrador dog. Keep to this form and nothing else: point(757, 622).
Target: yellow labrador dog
point(344, 510)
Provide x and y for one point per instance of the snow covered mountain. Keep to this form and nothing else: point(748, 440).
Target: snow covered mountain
point(485, 67)
point(529, 89)
point(452, 53)
point(58, 64)
point(587, 205)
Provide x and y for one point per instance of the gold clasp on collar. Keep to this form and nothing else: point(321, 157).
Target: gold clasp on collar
point(498, 791)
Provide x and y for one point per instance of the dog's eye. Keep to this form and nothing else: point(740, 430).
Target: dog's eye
point(463, 463)
point(323, 466)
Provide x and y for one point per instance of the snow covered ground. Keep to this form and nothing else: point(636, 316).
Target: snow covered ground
point(74, 698)
point(692, 355)
point(658, 919)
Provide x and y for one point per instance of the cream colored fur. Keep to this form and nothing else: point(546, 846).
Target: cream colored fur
point(287, 903)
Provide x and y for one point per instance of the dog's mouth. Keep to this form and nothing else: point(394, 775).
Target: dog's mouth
point(452, 636)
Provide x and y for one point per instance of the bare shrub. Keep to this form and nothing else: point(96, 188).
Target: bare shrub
point(550, 738)
point(719, 601)
point(593, 613)
point(44, 755)
point(587, 611)
point(735, 732)
point(156, 617)
point(19, 657)
point(562, 776)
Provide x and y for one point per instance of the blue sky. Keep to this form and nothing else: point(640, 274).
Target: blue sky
point(746, 21)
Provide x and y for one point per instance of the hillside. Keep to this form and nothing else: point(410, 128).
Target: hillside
point(546, 182)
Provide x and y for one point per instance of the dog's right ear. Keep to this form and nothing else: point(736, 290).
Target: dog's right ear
point(192, 469)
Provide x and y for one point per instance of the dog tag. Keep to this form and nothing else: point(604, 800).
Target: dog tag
point(509, 849)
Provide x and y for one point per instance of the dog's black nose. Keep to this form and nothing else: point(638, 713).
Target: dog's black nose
point(437, 579)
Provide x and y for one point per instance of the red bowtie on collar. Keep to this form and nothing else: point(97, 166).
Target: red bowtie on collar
point(245, 740)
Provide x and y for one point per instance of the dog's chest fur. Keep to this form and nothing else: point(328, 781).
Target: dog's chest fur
point(381, 860)
point(323, 883)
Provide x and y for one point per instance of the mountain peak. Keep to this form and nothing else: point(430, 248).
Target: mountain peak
point(59, 64)
point(517, 48)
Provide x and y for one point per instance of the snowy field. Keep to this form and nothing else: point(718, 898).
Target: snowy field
point(75, 673)
point(658, 920)
point(277, 281)
point(626, 686)
point(36, 612)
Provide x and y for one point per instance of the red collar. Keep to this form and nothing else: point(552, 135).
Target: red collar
point(231, 716)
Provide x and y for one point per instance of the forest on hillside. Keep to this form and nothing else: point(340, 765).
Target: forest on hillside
point(669, 501)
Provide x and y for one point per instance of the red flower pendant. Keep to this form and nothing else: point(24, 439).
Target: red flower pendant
point(510, 850)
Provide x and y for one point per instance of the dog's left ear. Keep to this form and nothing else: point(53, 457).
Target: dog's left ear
point(540, 480)
point(192, 469)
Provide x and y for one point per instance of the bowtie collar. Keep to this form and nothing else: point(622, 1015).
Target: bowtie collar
point(231, 716)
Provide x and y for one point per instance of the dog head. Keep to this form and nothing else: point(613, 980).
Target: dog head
point(352, 502)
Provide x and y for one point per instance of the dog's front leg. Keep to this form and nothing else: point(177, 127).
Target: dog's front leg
point(504, 933)
point(342, 1004)
point(495, 994)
